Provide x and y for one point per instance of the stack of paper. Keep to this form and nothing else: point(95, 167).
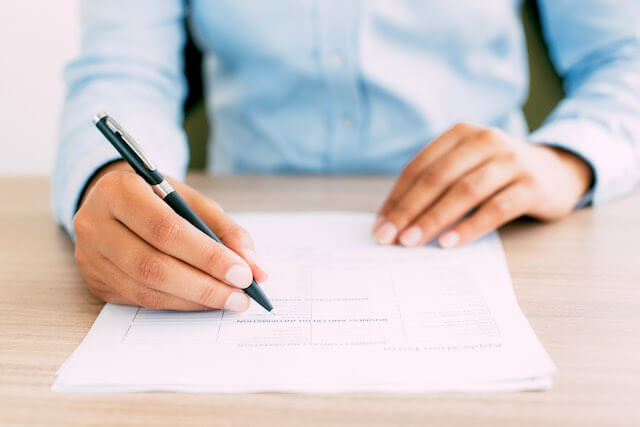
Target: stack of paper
point(349, 316)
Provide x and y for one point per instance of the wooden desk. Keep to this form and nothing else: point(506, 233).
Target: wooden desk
point(578, 282)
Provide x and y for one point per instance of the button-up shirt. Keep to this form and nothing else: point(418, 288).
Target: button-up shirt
point(348, 86)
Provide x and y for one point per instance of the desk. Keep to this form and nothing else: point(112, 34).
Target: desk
point(578, 282)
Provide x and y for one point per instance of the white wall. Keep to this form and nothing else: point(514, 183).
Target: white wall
point(36, 39)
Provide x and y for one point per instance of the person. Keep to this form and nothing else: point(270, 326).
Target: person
point(430, 90)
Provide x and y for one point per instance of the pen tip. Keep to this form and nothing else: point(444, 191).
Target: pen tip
point(258, 296)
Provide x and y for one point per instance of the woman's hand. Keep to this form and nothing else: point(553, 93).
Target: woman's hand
point(477, 168)
point(132, 248)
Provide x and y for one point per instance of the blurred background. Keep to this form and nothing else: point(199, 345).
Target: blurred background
point(38, 38)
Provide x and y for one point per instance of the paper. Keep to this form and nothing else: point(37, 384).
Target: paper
point(349, 315)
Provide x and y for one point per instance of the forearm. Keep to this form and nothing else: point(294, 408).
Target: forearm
point(595, 47)
point(130, 66)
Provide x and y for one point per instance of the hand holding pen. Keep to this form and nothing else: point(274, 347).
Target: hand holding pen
point(133, 248)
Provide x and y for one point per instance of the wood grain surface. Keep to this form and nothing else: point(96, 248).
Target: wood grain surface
point(577, 280)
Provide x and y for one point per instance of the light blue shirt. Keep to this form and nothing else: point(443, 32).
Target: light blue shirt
point(348, 86)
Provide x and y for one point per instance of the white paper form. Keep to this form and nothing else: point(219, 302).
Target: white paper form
point(349, 316)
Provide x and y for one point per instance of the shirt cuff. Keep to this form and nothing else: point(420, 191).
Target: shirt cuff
point(74, 169)
point(610, 160)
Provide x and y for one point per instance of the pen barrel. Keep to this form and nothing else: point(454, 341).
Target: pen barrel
point(180, 206)
point(151, 175)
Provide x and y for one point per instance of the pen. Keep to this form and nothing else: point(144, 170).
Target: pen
point(133, 154)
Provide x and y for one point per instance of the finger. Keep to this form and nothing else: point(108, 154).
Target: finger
point(144, 213)
point(435, 180)
point(464, 195)
point(508, 204)
point(99, 289)
point(233, 235)
point(97, 282)
point(99, 277)
point(427, 156)
point(157, 270)
point(131, 292)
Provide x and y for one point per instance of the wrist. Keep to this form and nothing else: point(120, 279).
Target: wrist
point(579, 168)
point(109, 167)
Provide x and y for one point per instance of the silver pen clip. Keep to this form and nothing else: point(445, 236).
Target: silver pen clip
point(115, 128)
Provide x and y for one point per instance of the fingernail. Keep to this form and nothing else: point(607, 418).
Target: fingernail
point(378, 222)
point(386, 233)
point(236, 301)
point(239, 276)
point(449, 239)
point(251, 256)
point(411, 237)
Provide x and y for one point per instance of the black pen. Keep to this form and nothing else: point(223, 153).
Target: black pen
point(133, 154)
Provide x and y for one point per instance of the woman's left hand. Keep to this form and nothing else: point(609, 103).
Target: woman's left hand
point(472, 167)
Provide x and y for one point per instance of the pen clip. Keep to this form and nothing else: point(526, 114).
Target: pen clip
point(131, 143)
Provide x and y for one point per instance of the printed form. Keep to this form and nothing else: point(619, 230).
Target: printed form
point(349, 315)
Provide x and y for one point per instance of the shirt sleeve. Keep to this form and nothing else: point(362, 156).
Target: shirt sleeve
point(595, 46)
point(131, 67)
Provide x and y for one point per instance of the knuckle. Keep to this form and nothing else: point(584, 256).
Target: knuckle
point(129, 185)
point(228, 229)
point(148, 298)
point(485, 134)
point(391, 203)
point(463, 127)
point(400, 215)
point(81, 224)
point(511, 155)
point(431, 222)
point(231, 233)
point(410, 171)
point(243, 237)
point(491, 170)
point(149, 269)
point(510, 148)
point(128, 178)
point(234, 231)
point(109, 182)
point(492, 136)
point(117, 187)
point(430, 177)
point(388, 207)
point(165, 231)
point(434, 220)
point(211, 296)
point(212, 204)
point(214, 257)
point(469, 187)
point(528, 185)
point(501, 206)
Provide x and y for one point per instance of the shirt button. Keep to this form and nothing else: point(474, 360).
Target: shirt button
point(336, 60)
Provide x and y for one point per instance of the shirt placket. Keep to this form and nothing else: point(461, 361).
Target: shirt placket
point(338, 35)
